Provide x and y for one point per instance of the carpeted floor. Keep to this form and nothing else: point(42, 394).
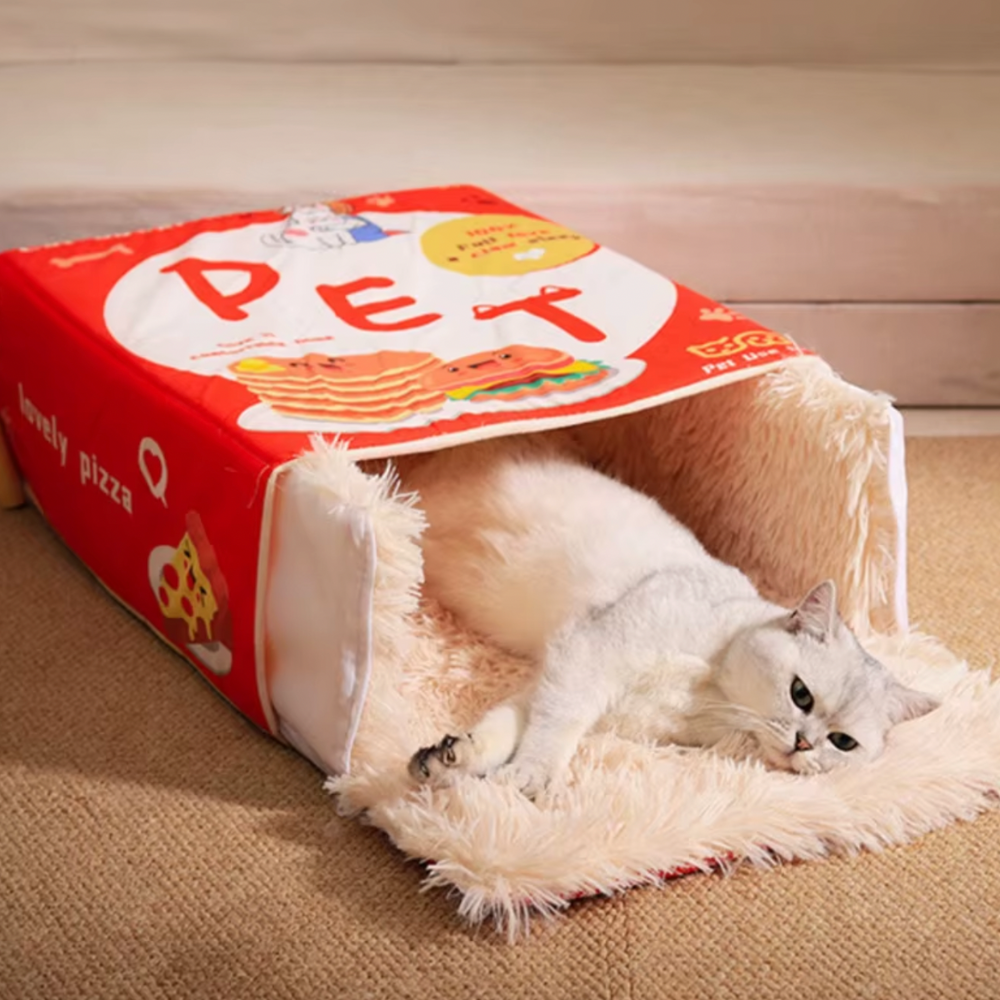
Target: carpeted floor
point(153, 845)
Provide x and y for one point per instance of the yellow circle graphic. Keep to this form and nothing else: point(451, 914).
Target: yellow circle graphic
point(502, 245)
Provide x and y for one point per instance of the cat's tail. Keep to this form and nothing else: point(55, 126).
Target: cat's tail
point(490, 744)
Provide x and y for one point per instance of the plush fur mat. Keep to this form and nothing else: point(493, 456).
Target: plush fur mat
point(632, 813)
point(795, 477)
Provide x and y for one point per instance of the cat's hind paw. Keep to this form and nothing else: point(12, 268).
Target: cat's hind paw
point(437, 764)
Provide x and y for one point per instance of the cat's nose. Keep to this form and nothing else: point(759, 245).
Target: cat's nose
point(801, 743)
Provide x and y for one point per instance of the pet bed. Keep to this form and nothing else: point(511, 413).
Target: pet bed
point(205, 412)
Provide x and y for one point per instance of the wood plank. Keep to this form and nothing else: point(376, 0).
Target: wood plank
point(939, 421)
point(766, 243)
point(921, 354)
point(804, 242)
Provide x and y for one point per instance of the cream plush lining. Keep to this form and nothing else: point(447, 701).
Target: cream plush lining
point(785, 475)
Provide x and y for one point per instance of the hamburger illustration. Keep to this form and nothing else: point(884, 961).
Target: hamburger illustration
point(514, 372)
point(380, 387)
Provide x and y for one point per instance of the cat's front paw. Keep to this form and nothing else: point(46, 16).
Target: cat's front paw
point(531, 778)
point(437, 765)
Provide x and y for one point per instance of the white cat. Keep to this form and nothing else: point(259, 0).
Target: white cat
point(634, 625)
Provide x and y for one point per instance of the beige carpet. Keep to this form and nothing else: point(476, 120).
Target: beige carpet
point(153, 845)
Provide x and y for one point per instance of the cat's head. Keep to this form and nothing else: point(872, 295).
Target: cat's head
point(810, 695)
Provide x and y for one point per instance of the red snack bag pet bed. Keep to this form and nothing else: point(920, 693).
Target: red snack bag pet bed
point(188, 407)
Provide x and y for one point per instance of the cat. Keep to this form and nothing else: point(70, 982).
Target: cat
point(633, 624)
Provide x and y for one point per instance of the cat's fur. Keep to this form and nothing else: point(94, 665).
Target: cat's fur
point(634, 626)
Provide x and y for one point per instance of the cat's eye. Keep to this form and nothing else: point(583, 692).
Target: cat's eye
point(842, 741)
point(802, 696)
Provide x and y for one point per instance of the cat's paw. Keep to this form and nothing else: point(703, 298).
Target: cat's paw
point(438, 764)
point(530, 777)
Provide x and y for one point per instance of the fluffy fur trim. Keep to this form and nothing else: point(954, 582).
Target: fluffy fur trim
point(631, 812)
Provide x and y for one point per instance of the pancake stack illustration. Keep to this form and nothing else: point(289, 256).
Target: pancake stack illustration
point(366, 388)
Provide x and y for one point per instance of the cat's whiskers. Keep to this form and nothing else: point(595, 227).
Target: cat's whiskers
point(738, 716)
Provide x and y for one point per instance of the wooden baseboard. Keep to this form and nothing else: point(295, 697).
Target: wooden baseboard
point(922, 354)
point(777, 242)
point(942, 421)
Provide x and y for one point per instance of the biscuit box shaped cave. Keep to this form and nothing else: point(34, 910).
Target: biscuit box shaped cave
point(205, 413)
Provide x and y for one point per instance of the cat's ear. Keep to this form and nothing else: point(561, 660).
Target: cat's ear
point(903, 703)
point(816, 615)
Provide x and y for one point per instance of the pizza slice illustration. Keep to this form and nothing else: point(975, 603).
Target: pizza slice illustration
point(193, 597)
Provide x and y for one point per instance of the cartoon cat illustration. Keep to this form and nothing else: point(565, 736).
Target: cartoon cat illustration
point(319, 227)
